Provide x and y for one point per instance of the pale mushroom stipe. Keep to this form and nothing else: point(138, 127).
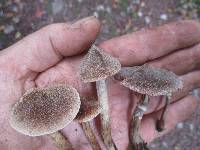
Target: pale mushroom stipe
point(149, 81)
point(89, 109)
point(45, 111)
point(96, 67)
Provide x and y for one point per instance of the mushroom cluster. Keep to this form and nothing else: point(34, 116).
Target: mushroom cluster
point(48, 110)
point(45, 111)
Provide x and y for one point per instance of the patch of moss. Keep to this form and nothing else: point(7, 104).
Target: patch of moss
point(134, 15)
point(123, 4)
point(48, 7)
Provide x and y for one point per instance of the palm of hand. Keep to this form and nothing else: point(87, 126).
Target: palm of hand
point(33, 69)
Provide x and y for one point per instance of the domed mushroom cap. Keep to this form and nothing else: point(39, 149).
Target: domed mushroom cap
point(44, 111)
point(98, 65)
point(89, 109)
point(153, 81)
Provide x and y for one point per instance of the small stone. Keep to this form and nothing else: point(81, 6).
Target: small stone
point(147, 20)
point(163, 17)
point(185, 6)
point(96, 14)
point(191, 126)
point(176, 148)
point(108, 10)
point(100, 8)
point(143, 4)
point(140, 14)
point(129, 9)
point(21, 6)
point(164, 144)
point(195, 92)
point(8, 29)
point(57, 6)
point(153, 145)
point(180, 125)
point(123, 14)
point(136, 1)
point(15, 19)
point(18, 35)
point(169, 10)
point(14, 8)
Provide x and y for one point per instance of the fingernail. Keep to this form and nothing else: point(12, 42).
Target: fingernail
point(82, 21)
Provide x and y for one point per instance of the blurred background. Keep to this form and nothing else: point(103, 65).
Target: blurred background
point(19, 18)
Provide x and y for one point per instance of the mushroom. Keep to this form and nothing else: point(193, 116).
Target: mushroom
point(96, 67)
point(137, 142)
point(45, 111)
point(149, 81)
point(89, 109)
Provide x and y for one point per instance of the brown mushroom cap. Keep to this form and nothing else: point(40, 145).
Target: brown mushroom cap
point(44, 111)
point(126, 72)
point(89, 109)
point(98, 65)
point(153, 81)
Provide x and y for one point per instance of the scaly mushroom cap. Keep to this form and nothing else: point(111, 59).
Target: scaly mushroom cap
point(152, 81)
point(89, 109)
point(98, 65)
point(44, 111)
point(126, 72)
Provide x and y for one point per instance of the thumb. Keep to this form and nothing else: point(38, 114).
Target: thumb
point(46, 47)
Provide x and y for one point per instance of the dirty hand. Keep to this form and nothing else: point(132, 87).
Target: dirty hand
point(53, 54)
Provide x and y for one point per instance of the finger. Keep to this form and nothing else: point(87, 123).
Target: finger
point(65, 72)
point(180, 62)
point(145, 45)
point(46, 47)
point(190, 81)
point(177, 112)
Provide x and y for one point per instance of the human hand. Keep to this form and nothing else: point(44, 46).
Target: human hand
point(22, 64)
point(43, 58)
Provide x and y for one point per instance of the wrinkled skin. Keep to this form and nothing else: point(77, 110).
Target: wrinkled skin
point(53, 54)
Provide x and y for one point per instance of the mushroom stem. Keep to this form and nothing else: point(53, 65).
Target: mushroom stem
point(136, 142)
point(90, 135)
point(160, 126)
point(104, 115)
point(61, 141)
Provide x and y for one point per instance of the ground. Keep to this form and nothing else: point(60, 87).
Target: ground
point(18, 18)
